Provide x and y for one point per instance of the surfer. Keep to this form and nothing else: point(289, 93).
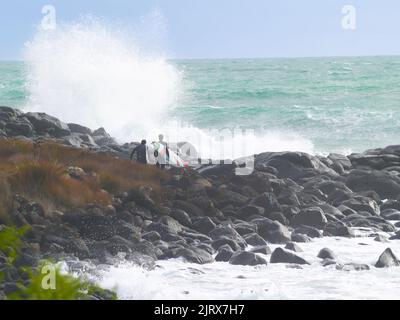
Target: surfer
point(141, 152)
point(165, 159)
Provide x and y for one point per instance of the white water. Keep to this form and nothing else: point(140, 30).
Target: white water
point(176, 279)
point(96, 75)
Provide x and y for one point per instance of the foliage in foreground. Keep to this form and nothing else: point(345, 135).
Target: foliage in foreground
point(46, 282)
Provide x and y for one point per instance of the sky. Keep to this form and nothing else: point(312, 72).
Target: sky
point(225, 28)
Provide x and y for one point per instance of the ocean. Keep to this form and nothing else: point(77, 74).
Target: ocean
point(316, 105)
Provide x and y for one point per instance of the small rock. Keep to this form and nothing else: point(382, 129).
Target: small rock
point(282, 256)
point(387, 259)
point(246, 258)
point(326, 253)
point(293, 247)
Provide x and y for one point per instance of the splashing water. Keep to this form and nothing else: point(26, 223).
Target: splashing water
point(90, 74)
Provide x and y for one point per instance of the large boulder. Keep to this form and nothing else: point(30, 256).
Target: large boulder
point(282, 256)
point(294, 165)
point(45, 124)
point(386, 184)
point(245, 258)
point(313, 217)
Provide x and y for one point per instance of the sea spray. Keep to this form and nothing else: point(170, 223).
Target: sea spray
point(89, 74)
point(97, 75)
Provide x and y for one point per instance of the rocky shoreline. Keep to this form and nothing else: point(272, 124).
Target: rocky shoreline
point(215, 215)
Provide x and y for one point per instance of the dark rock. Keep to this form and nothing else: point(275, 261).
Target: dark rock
point(254, 239)
point(76, 128)
point(282, 256)
point(359, 203)
point(328, 262)
point(293, 165)
point(224, 253)
point(313, 217)
point(151, 236)
point(195, 255)
point(326, 253)
point(387, 259)
point(189, 208)
point(203, 225)
point(247, 212)
point(224, 240)
point(245, 228)
point(45, 124)
point(261, 249)
point(384, 183)
point(391, 214)
point(227, 232)
point(245, 258)
point(267, 201)
point(309, 231)
point(338, 229)
point(302, 238)
point(272, 231)
point(293, 247)
point(182, 217)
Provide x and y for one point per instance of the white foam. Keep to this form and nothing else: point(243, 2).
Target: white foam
point(175, 279)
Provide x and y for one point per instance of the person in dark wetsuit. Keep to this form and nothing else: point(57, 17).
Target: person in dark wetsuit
point(141, 152)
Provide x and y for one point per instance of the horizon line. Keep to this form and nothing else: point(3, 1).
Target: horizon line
point(259, 57)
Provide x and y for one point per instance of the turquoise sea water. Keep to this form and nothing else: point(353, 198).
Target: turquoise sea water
point(339, 104)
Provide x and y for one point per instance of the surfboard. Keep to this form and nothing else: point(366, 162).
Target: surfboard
point(158, 153)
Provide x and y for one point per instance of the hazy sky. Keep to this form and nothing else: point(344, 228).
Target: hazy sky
point(226, 28)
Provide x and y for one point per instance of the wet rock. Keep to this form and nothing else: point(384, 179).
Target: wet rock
point(326, 253)
point(384, 183)
point(353, 267)
point(301, 238)
point(245, 258)
point(203, 225)
point(224, 240)
point(308, 231)
point(195, 255)
point(246, 213)
point(293, 247)
point(359, 203)
point(261, 249)
point(225, 232)
point(338, 229)
point(182, 217)
point(224, 253)
point(391, 214)
point(245, 228)
point(328, 262)
point(282, 256)
point(387, 259)
point(380, 238)
point(293, 165)
point(272, 231)
point(313, 217)
point(45, 124)
point(254, 239)
point(151, 236)
point(267, 201)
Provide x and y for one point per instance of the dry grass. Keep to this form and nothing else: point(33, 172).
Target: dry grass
point(39, 173)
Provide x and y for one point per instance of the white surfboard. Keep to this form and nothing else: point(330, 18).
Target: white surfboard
point(158, 153)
